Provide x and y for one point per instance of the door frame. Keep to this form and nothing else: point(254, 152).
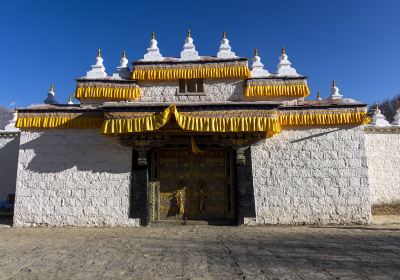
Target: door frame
point(231, 191)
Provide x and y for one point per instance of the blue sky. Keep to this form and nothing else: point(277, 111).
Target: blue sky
point(355, 42)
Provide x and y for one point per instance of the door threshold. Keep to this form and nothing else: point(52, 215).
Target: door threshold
point(192, 222)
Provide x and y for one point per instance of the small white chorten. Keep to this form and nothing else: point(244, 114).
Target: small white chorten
point(284, 66)
point(378, 119)
point(11, 125)
point(123, 71)
point(51, 96)
point(98, 70)
point(70, 101)
point(319, 96)
point(225, 48)
point(189, 50)
point(257, 68)
point(335, 92)
point(397, 118)
point(153, 52)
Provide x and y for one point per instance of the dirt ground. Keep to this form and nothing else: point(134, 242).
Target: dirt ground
point(386, 209)
point(203, 252)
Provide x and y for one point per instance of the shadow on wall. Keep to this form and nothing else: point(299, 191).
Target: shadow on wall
point(319, 134)
point(8, 167)
point(62, 152)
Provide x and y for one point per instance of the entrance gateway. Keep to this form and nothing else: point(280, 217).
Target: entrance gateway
point(191, 178)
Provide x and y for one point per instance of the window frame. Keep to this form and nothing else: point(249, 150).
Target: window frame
point(197, 83)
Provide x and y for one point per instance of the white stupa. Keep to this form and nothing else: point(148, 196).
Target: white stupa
point(70, 102)
point(98, 70)
point(319, 96)
point(123, 71)
point(225, 48)
point(284, 66)
point(51, 96)
point(189, 50)
point(257, 68)
point(397, 118)
point(378, 119)
point(11, 125)
point(153, 52)
point(335, 92)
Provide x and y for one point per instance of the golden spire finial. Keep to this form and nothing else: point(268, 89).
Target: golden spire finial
point(255, 52)
point(334, 83)
point(98, 53)
point(123, 54)
point(188, 33)
point(152, 35)
point(318, 95)
point(283, 50)
point(51, 87)
point(224, 35)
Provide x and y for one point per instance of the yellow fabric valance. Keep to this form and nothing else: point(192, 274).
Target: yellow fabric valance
point(58, 122)
point(191, 73)
point(300, 90)
point(228, 124)
point(192, 123)
point(322, 119)
point(112, 93)
point(140, 124)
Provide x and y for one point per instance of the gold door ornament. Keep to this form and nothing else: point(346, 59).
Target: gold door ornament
point(180, 199)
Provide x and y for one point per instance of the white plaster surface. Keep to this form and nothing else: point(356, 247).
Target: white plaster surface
point(9, 143)
point(214, 90)
point(257, 68)
point(189, 50)
point(383, 155)
point(225, 50)
point(284, 67)
point(98, 70)
point(312, 175)
point(72, 178)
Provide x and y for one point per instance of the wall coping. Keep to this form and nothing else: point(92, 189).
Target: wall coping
point(385, 129)
point(9, 133)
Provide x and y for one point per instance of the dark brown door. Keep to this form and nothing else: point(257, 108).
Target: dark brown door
point(193, 187)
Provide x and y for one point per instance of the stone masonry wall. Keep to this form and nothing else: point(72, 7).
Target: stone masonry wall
point(312, 175)
point(9, 143)
point(215, 90)
point(72, 178)
point(383, 155)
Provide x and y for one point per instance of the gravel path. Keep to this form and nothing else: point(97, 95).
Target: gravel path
point(201, 252)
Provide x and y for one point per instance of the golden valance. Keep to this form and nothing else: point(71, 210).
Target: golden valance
point(191, 73)
point(222, 121)
point(226, 121)
point(137, 122)
point(58, 120)
point(238, 122)
point(315, 118)
point(299, 90)
point(103, 92)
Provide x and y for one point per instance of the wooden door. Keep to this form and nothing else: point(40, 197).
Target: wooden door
point(192, 187)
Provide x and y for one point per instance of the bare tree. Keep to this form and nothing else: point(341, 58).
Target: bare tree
point(389, 107)
point(5, 116)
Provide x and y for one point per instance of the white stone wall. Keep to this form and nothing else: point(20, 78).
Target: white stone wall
point(312, 175)
point(383, 155)
point(215, 90)
point(72, 178)
point(9, 143)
